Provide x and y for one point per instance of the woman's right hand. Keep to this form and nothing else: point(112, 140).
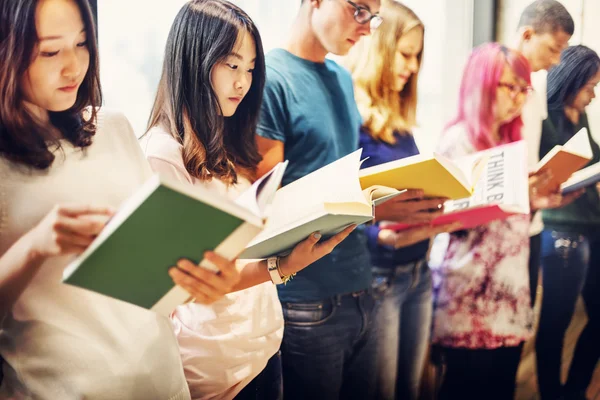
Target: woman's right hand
point(68, 229)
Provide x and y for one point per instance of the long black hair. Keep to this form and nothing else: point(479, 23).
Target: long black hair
point(23, 139)
point(203, 34)
point(578, 64)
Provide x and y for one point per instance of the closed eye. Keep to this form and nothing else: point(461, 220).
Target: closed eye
point(48, 53)
point(82, 44)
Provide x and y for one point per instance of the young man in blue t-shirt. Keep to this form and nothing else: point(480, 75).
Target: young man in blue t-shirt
point(309, 117)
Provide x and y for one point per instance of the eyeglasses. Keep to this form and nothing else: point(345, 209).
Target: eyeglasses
point(362, 15)
point(516, 90)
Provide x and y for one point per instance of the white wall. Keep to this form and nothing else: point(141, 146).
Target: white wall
point(132, 37)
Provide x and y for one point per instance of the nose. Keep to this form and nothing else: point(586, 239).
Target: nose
point(72, 65)
point(364, 29)
point(243, 81)
point(413, 64)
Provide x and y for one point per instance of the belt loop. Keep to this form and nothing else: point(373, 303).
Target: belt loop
point(338, 300)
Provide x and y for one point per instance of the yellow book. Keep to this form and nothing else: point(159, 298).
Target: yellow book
point(436, 175)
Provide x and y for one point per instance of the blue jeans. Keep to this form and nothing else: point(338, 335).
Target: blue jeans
point(587, 351)
point(328, 349)
point(565, 258)
point(268, 385)
point(403, 321)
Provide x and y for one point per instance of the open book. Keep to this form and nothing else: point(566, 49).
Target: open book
point(582, 178)
point(436, 175)
point(564, 160)
point(502, 191)
point(161, 223)
point(326, 200)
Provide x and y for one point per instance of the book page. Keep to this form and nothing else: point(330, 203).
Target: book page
point(258, 197)
point(335, 183)
point(579, 144)
point(504, 180)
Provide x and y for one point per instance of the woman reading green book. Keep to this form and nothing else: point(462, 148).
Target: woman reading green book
point(65, 165)
point(202, 132)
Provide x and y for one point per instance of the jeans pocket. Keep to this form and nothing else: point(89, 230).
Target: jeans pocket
point(380, 286)
point(308, 314)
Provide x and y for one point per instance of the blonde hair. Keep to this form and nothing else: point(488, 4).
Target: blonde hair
point(383, 110)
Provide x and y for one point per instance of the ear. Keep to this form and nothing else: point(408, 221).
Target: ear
point(526, 33)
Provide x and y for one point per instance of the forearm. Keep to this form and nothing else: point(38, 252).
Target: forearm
point(254, 273)
point(18, 267)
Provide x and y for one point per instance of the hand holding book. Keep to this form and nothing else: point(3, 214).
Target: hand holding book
point(410, 236)
point(410, 207)
point(541, 199)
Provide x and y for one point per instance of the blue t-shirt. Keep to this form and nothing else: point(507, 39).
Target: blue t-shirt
point(381, 152)
point(310, 107)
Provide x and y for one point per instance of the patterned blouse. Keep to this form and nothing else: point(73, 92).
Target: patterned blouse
point(480, 276)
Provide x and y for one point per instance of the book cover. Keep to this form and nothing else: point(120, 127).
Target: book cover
point(161, 223)
point(436, 175)
point(564, 160)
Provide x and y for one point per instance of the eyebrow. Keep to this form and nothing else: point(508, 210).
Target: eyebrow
point(363, 5)
point(236, 55)
point(56, 37)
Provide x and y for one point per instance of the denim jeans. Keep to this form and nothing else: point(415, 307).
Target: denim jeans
point(565, 258)
point(268, 385)
point(587, 350)
point(328, 349)
point(403, 322)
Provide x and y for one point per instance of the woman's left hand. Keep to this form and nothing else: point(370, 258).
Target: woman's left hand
point(204, 285)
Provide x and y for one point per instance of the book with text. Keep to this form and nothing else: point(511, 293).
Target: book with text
point(161, 223)
point(502, 191)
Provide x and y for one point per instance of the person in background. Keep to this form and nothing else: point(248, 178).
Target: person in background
point(482, 310)
point(571, 240)
point(309, 117)
point(543, 31)
point(387, 101)
point(202, 133)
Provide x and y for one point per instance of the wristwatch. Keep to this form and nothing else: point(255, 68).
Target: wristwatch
point(273, 267)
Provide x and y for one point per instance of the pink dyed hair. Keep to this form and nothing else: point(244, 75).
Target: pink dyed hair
point(477, 98)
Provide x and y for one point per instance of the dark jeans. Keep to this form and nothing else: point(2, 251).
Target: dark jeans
point(587, 351)
point(403, 319)
point(328, 349)
point(476, 374)
point(268, 385)
point(565, 258)
point(535, 250)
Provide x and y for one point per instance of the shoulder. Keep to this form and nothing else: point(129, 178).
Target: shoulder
point(157, 143)
point(455, 142)
point(113, 127)
point(342, 73)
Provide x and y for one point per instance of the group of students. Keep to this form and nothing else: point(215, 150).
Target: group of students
point(357, 320)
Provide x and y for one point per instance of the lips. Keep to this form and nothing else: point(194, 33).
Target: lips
point(235, 99)
point(352, 41)
point(70, 88)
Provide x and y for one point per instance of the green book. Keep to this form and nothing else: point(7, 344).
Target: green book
point(161, 223)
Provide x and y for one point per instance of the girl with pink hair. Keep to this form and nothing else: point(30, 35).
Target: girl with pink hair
point(482, 311)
